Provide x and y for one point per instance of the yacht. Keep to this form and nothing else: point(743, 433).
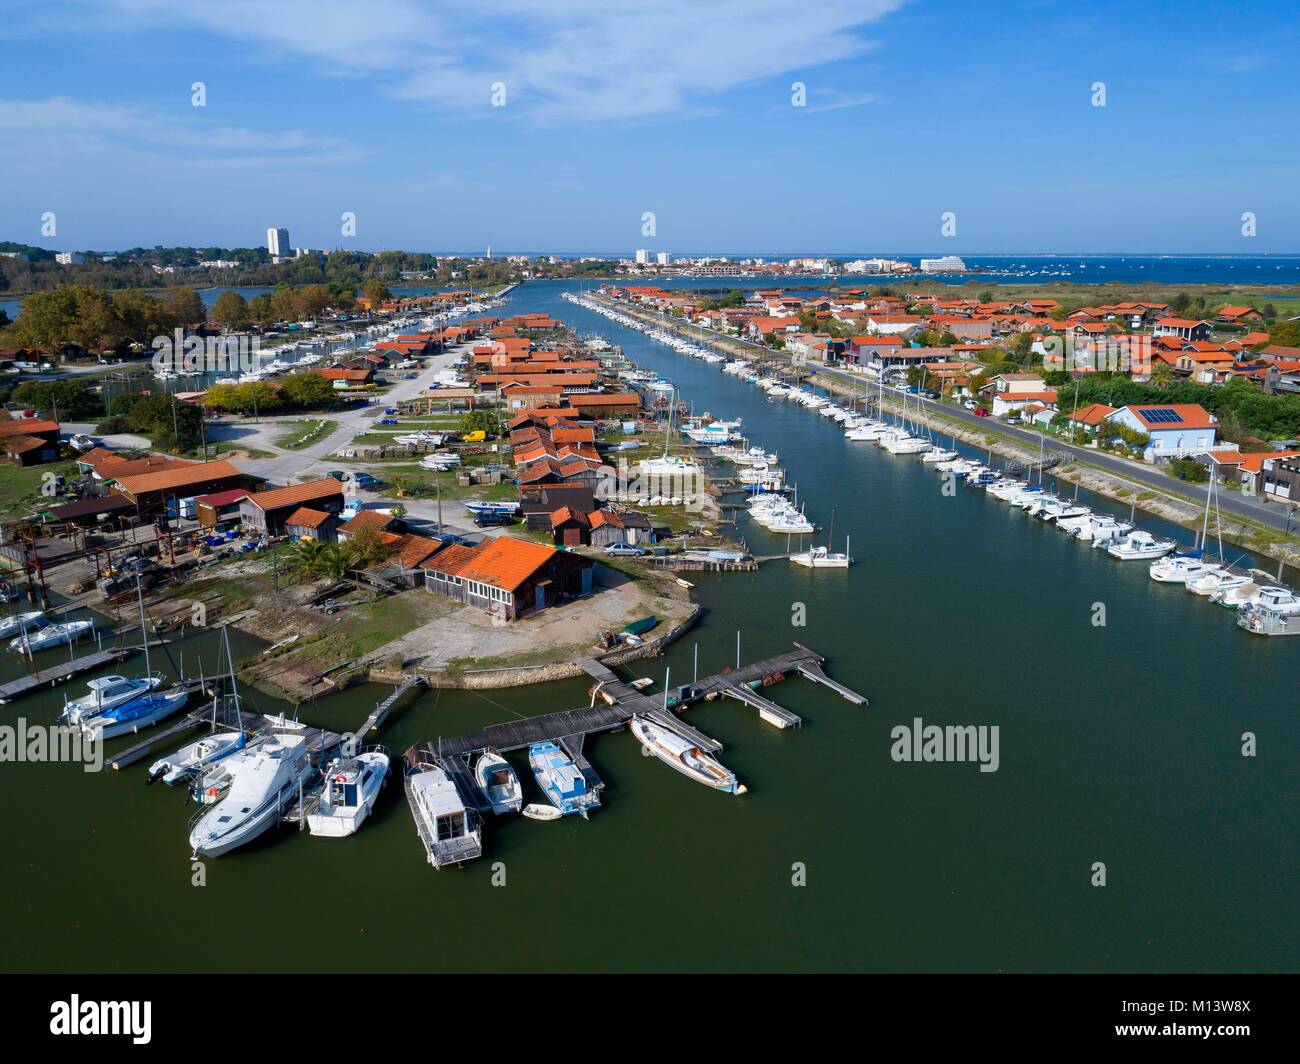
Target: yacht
point(1216, 578)
point(903, 443)
point(20, 622)
point(1273, 599)
point(105, 693)
point(1099, 528)
point(1234, 598)
point(561, 780)
point(131, 715)
point(1177, 568)
point(265, 781)
point(352, 785)
point(451, 832)
point(680, 753)
point(496, 778)
point(1138, 545)
point(1059, 509)
point(51, 635)
point(190, 760)
point(823, 558)
point(938, 454)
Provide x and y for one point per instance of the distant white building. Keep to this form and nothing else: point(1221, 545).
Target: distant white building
point(664, 258)
point(69, 258)
point(277, 243)
point(943, 264)
point(643, 256)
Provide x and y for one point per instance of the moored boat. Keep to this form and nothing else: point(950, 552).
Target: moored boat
point(352, 785)
point(561, 780)
point(496, 778)
point(680, 753)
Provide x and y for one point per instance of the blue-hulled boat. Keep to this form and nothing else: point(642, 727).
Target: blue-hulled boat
point(561, 780)
point(134, 714)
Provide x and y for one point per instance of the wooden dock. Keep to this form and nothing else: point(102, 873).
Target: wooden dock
point(615, 702)
point(386, 706)
point(57, 674)
point(319, 740)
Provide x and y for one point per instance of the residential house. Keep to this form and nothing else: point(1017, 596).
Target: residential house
point(306, 523)
point(1176, 430)
point(266, 511)
point(1183, 328)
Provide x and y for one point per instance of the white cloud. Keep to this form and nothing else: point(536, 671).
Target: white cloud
point(575, 59)
point(62, 129)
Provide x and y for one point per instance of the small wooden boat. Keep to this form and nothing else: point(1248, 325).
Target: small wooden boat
point(641, 683)
point(679, 752)
point(684, 583)
point(536, 811)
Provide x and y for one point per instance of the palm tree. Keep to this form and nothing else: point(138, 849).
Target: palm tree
point(307, 556)
point(1162, 375)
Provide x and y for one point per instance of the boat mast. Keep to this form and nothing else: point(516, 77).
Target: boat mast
point(144, 632)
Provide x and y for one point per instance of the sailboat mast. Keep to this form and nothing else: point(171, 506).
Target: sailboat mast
point(144, 632)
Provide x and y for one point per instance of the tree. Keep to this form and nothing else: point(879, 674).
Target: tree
point(142, 317)
point(377, 292)
point(1284, 333)
point(74, 314)
point(1020, 346)
point(484, 421)
point(261, 309)
point(69, 400)
point(186, 306)
point(311, 301)
point(231, 310)
point(1162, 374)
point(308, 390)
point(170, 424)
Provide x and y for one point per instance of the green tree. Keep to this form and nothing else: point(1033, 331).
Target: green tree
point(481, 420)
point(308, 390)
point(1162, 374)
point(142, 316)
point(68, 400)
point(231, 310)
point(186, 306)
point(377, 292)
point(73, 314)
point(312, 301)
point(1285, 333)
point(261, 309)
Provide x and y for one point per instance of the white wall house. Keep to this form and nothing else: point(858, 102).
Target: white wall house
point(1177, 430)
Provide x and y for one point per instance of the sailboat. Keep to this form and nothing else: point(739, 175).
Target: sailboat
point(1179, 568)
point(824, 557)
point(678, 752)
point(116, 705)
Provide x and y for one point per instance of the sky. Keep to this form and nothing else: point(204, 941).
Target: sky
point(740, 126)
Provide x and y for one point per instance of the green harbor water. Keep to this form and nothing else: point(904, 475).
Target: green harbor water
point(1119, 744)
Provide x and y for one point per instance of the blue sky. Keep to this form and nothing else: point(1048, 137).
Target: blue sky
point(384, 108)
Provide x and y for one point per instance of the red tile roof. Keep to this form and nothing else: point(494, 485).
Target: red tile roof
point(296, 494)
point(306, 518)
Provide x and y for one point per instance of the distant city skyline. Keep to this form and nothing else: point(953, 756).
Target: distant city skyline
point(837, 128)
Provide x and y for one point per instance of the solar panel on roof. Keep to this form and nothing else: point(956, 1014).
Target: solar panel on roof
point(1162, 416)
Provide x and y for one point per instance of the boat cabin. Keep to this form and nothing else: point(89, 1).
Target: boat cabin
point(451, 833)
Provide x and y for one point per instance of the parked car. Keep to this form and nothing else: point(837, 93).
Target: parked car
point(981, 412)
point(969, 404)
point(365, 480)
point(624, 550)
point(486, 519)
point(337, 474)
point(388, 421)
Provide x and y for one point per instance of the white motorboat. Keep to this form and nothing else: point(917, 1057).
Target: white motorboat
point(1234, 598)
point(1099, 528)
point(537, 811)
point(51, 635)
point(193, 758)
point(1055, 511)
point(1273, 599)
point(823, 558)
point(105, 692)
point(352, 785)
point(497, 780)
point(1177, 568)
point(265, 779)
point(938, 454)
point(1138, 545)
point(681, 753)
point(17, 622)
point(1216, 579)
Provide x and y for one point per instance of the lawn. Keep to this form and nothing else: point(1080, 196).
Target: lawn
point(304, 433)
point(20, 489)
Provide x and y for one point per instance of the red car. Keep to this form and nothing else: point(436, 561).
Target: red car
point(981, 411)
